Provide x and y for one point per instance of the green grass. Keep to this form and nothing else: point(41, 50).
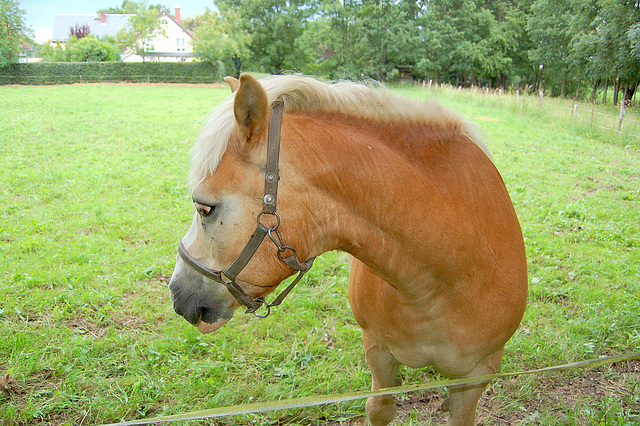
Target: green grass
point(93, 200)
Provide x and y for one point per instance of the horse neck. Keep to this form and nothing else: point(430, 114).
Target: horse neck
point(370, 192)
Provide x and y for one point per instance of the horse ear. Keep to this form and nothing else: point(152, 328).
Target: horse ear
point(251, 107)
point(233, 83)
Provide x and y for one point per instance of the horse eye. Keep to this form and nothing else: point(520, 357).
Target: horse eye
point(203, 210)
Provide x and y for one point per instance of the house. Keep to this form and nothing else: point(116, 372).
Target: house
point(100, 24)
point(174, 46)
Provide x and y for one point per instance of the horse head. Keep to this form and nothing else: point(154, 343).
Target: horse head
point(223, 262)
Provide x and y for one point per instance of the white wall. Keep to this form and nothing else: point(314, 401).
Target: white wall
point(174, 40)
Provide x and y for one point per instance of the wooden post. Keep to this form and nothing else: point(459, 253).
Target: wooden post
point(575, 111)
point(541, 98)
point(517, 96)
point(80, 78)
point(591, 117)
point(430, 81)
point(622, 102)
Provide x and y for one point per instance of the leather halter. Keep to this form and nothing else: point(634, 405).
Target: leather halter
point(228, 276)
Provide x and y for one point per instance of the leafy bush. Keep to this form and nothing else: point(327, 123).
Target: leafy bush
point(89, 49)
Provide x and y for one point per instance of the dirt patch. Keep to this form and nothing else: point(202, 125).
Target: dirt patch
point(16, 391)
point(9, 387)
point(37, 388)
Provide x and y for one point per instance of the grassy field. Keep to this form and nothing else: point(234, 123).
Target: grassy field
point(93, 201)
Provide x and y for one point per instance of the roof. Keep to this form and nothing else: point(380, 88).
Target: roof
point(64, 22)
point(165, 12)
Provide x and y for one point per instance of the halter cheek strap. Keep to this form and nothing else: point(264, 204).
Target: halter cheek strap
point(229, 275)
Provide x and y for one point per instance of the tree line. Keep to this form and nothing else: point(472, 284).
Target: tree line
point(563, 47)
point(571, 48)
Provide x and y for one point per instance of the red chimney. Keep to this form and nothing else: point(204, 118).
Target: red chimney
point(103, 18)
point(178, 18)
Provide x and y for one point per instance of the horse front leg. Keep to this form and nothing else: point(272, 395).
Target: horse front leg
point(381, 410)
point(463, 400)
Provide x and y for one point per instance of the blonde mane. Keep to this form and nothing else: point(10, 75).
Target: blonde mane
point(306, 94)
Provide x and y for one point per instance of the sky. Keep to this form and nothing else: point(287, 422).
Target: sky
point(39, 14)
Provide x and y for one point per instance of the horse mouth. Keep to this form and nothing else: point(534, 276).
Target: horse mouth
point(206, 328)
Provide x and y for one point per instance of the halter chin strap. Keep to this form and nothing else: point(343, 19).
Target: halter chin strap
point(228, 276)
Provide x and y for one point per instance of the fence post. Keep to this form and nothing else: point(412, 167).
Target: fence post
point(621, 114)
point(80, 78)
point(591, 117)
point(541, 97)
point(575, 111)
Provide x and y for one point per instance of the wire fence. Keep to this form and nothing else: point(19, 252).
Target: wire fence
point(622, 120)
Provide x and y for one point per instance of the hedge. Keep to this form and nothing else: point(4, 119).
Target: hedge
point(109, 72)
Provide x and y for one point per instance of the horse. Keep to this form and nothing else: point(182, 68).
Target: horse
point(407, 188)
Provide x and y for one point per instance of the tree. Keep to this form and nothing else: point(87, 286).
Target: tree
point(387, 36)
point(14, 33)
point(192, 24)
point(548, 29)
point(605, 43)
point(80, 31)
point(619, 18)
point(327, 44)
point(143, 27)
point(451, 51)
point(274, 26)
point(219, 37)
point(370, 37)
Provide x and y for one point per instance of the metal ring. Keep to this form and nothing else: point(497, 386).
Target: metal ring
point(285, 248)
point(272, 214)
point(261, 302)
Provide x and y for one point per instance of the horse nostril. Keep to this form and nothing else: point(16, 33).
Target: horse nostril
point(192, 315)
point(185, 305)
point(205, 313)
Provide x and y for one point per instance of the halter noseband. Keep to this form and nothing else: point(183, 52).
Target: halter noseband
point(228, 276)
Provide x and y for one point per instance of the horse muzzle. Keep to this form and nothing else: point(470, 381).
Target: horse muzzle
point(200, 301)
